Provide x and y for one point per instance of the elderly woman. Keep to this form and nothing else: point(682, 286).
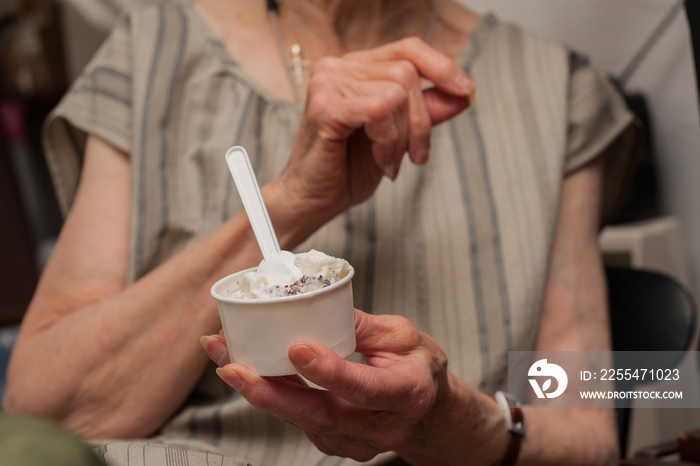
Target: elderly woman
point(483, 241)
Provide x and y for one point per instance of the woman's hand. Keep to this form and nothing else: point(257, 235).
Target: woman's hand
point(367, 409)
point(364, 111)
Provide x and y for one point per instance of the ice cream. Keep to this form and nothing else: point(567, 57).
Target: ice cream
point(262, 315)
point(317, 270)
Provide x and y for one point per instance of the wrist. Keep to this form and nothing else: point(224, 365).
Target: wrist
point(293, 219)
point(463, 423)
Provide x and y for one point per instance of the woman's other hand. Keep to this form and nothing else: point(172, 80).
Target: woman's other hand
point(365, 409)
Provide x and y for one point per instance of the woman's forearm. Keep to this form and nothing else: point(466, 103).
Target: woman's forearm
point(569, 436)
point(120, 366)
point(105, 361)
point(469, 428)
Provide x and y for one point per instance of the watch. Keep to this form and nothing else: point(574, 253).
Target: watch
point(515, 423)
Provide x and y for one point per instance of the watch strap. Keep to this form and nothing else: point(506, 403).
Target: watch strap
point(515, 423)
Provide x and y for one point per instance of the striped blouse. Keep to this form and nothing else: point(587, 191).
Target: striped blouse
point(459, 246)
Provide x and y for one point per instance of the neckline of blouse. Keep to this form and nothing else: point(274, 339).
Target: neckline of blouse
point(464, 59)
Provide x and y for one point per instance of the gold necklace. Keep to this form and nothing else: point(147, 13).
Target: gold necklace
point(296, 65)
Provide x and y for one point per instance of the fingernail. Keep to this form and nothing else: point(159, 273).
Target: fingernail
point(464, 83)
point(472, 97)
point(217, 352)
point(204, 341)
point(302, 356)
point(422, 154)
point(231, 377)
point(390, 172)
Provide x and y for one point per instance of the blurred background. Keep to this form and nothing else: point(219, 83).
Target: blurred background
point(643, 45)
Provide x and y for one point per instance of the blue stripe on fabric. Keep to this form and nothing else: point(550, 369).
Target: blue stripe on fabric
point(108, 70)
point(139, 240)
point(73, 142)
point(236, 141)
point(496, 238)
point(330, 461)
point(371, 252)
point(347, 248)
point(103, 92)
point(217, 427)
point(257, 161)
point(497, 246)
point(473, 253)
point(165, 205)
point(192, 425)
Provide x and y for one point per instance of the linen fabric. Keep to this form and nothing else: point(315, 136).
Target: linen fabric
point(459, 246)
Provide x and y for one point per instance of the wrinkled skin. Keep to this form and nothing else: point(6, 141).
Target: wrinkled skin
point(367, 409)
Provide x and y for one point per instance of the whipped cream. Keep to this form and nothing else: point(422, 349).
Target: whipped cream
point(318, 270)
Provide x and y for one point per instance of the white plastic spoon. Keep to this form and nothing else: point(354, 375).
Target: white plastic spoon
point(276, 265)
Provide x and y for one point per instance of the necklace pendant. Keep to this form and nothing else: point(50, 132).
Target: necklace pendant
point(298, 64)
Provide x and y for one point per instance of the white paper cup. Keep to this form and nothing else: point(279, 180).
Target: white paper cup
point(259, 332)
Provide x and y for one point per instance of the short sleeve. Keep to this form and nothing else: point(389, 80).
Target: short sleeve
point(597, 113)
point(98, 103)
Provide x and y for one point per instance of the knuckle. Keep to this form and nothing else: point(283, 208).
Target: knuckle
point(322, 105)
point(364, 455)
point(409, 44)
point(400, 327)
point(420, 124)
point(441, 360)
point(315, 108)
point(322, 444)
point(423, 400)
point(317, 84)
point(395, 439)
point(394, 96)
point(397, 94)
point(318, 97)
point(390, 434)
point(324, 422)
point(318, 423)
point(404, 326)
point(335, 447)
point(405, 73)
point(399, 320)
point(443, 66)
point(435, 351)
point(326, 65)
point(418, 393)
point(355, 55)
point(378, 108)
